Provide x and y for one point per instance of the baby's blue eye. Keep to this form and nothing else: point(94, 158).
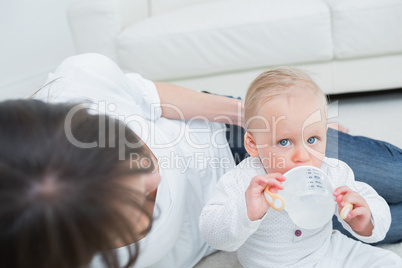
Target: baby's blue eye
point(312, 140)
point(284, 142)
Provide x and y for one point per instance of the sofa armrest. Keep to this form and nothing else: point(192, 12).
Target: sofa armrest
point(94, 25)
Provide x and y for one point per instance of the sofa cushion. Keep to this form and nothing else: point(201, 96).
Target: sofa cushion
point(364, 28)
point(226, 36)
point(162, 6)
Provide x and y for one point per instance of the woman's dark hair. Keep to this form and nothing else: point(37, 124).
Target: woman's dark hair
point(59, 203)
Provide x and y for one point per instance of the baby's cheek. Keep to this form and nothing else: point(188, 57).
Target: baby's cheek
point(276, 165)
point(318, 162)
point(318, 157)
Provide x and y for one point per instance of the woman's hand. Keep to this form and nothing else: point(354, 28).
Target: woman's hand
point(256, 203)
point(359, 219)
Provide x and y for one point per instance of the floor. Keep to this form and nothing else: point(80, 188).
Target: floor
point(376, 115)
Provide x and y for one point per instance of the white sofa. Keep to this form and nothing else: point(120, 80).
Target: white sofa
point(222, 45)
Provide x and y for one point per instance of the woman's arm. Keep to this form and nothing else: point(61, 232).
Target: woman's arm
point(182, 103)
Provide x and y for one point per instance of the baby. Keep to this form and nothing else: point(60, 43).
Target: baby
point(286, 126)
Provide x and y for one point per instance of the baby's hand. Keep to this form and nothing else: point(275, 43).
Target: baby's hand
point(256, 203)
point(359, 219)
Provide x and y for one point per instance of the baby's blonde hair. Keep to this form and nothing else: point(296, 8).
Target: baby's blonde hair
point(274, 83)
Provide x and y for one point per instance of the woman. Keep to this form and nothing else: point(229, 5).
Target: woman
point(192, 155)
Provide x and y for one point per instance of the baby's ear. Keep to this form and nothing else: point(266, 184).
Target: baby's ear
point(250, 145)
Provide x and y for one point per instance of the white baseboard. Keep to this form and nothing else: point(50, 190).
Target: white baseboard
point(333, 77)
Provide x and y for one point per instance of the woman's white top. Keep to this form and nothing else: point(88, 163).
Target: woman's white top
point(274, 240)
point(192, 155)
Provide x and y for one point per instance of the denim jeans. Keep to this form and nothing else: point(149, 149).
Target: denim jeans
point(374, 162)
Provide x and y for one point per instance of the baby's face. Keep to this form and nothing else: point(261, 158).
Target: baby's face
point(290, 131)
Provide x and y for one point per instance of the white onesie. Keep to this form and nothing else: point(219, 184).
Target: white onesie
point(274, 240)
